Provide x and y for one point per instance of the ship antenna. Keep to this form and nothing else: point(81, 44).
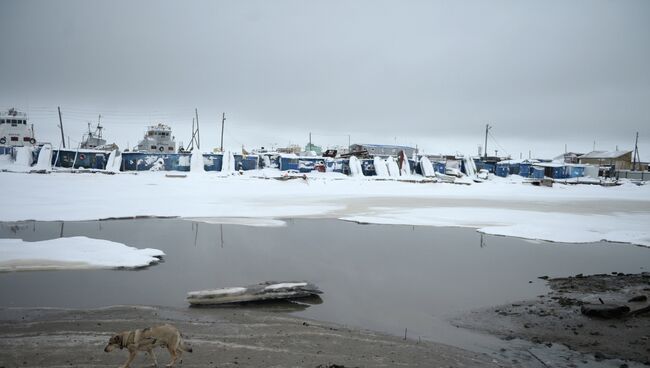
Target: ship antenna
point(99, 127)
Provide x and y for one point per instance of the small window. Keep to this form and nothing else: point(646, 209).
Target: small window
point(171, 148)
point(2, 121)
point(153, 147)
point(24, 122)
point(14, 139)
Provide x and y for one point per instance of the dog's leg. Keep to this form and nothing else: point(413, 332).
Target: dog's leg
point(153, 357)
point(172, 354)
point(130, 359)
point(179, 355)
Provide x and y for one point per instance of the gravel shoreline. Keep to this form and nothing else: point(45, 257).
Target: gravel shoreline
point(556, 318)
point(220, 337)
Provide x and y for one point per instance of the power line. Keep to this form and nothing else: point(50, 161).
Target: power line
point(497, 143)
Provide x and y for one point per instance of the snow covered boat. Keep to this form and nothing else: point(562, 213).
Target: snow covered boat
point(15, 130)
point(159, 139)
point(269, 290)
point(93, 139)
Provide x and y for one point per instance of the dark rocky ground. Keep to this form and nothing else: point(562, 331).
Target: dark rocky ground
point(556, 318)
point(220, 337)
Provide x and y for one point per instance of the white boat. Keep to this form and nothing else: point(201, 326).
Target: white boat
point(15, 130)
point(159, 139)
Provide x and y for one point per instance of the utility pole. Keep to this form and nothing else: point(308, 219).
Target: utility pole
point(223, 121)
point(636, 152)
point(61, 126)
point(310, 141)
point(487, 129)
point(198, 131)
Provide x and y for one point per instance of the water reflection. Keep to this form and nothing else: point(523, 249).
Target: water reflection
point(285, 306)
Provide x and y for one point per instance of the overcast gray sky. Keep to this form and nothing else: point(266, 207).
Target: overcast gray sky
point(426, 73)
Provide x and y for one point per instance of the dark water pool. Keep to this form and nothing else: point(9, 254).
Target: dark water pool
point(385, 278)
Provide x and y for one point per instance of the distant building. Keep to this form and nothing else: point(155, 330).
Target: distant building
point(310, 147)
point(618, 160)
point(293, 148)
point(382, 149)
point(569, 158)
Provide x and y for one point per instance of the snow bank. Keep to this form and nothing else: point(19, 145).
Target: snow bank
point(503, 206)
point(245, 221)
point(548, 226)
point(72, 253)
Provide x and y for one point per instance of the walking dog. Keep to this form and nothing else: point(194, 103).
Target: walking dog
point(146, 339)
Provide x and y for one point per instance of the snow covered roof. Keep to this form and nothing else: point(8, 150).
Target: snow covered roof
point(550, 164)
point(605, 154)
point(567, 154)
point(383, 145)
point(520, 161)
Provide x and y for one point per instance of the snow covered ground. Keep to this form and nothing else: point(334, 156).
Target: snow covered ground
point(72, 253)
point(563, 213)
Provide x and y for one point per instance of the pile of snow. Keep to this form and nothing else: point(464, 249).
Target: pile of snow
point(23, 156)
point(470, 166)
point(159, 165)
point(72, 253)
point(427, 167)
point(114, 162)
point(380, 167)
point(393, 169)
point(355, 166)
point(228, 165)
point(44, 158)
point(196, 162)
point(184, 160)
